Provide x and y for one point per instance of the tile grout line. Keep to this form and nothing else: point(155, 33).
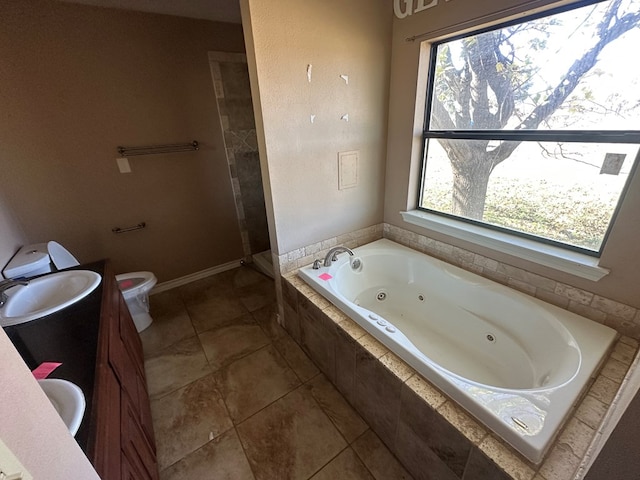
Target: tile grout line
point(212, 372)
point(271, 341)
point(198, 448)
point(328, 462)
point(274, 401)
point(244, 450)
point(235, 359)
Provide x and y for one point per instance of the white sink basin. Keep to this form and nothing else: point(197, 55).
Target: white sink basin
point(45, 295)
point(67, 399)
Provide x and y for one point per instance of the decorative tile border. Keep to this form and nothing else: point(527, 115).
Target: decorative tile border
point(623, 318)
point(300, 257)
point(352, 360)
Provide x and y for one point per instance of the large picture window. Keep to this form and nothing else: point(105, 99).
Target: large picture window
point(534, 127)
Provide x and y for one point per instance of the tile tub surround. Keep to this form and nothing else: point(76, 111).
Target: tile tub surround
point(429, 433)
point(300, 257)
point(623, 318)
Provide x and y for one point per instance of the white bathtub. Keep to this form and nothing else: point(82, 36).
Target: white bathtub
point(514, 362)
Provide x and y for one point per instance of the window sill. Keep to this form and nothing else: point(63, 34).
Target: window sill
point(566, 261)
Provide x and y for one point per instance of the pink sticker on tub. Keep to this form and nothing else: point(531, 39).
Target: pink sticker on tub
point(44, 370)
point(325, 277)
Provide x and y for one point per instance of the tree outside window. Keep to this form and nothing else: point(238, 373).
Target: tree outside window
point(534, 127)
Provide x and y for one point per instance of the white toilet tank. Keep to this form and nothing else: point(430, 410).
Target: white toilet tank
point(37, 259)
point(41, 258)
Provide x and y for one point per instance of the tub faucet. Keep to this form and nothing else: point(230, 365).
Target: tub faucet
point(6, 285)
point(332, 255)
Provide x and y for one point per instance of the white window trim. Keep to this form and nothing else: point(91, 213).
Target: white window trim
point(567, 261)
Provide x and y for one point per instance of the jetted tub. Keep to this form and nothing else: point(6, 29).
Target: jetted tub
point(514, 362)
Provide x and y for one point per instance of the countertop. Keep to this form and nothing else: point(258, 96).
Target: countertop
point(70, 337)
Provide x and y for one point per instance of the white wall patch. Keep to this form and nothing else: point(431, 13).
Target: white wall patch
point(348, 169)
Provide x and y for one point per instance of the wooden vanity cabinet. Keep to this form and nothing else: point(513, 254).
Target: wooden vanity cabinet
point(123, 446)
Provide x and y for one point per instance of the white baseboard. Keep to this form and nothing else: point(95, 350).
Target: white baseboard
point(192, 277)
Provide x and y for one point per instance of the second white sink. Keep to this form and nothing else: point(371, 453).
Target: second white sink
point(68, 400)
point(46, 295)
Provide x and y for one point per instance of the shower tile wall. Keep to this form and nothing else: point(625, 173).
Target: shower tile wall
point(233, 94)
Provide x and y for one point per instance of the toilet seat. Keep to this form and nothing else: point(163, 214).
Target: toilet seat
point(60, 256)
point(133, 283)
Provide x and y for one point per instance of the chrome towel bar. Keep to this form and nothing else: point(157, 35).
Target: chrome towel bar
point(156, 149)
point(139, 226)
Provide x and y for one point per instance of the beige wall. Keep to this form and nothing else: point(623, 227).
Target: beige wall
point(299, 159)
point(78, 81)
point(11, 236)
point(30, 426)
point(622, 252)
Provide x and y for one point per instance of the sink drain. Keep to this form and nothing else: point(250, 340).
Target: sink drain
point(381, 296)
point(490, 338)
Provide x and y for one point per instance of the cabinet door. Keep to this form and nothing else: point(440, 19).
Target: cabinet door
point(132, 470)
point(130, 341)
point(140, 458)
point(106, 451)
point(124, 446)
point(121, 362)
point(130, 337)
point(144, 411)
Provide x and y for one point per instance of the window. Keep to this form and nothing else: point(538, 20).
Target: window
point(532, 127)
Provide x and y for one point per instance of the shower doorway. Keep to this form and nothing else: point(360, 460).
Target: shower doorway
point(233, 95)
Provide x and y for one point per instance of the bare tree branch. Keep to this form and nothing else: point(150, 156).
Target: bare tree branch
point(580, 67)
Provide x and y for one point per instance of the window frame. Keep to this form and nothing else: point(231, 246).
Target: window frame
point(566, 136)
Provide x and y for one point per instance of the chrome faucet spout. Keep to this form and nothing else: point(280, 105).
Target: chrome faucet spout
point(6, 285)
point(332, 255)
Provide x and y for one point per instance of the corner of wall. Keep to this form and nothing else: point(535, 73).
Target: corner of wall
point(11, 235)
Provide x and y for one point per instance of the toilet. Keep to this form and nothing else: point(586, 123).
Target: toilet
point(135, 287)
point(41, 258)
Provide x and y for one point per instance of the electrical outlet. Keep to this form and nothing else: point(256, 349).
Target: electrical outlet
point(10, 466)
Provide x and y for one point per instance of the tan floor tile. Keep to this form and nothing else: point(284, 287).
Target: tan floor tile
point(184, 420)
point(343, 416)
point(378, 459)
point(166, 329)
point(220, 459)
point(253, 382)
point(346, 466)
point(302, 365)
point(266, 318)
point(224, 345)
point(257, 295)
point(175, 367)
point(215, 312)
point(213, 286)
point(291, 438)
point(166, 303)
point(245, 276)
